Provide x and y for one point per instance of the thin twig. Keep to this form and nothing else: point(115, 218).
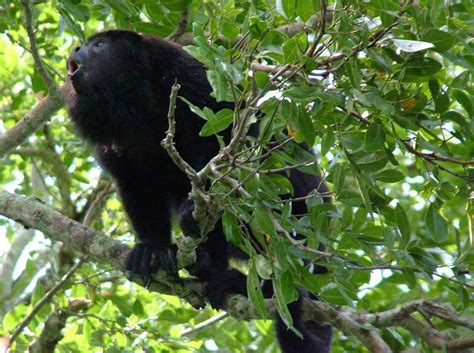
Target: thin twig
point(168, 142)
point(433, 156)
point(46, 298)
point(322, 29)
point(52, 87)
point(206, 323)
point(181, 28)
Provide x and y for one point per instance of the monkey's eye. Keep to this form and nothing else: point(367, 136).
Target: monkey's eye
point(98, 44)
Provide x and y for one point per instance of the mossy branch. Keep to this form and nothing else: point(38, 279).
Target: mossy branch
point(32, 213)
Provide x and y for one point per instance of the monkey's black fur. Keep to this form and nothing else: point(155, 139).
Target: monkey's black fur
point(121, 85)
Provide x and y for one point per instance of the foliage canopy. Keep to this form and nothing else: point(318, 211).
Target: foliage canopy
point(382, 90)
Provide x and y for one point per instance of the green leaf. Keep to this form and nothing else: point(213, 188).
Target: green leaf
point(306, 127)
point(442, 103)
point(312, 282)
point(257, 27)
point(230, 226)
point(389, 176)
point(436, 225)
point(360, 217)
point(442, 40)
point(122, 7)
point(374, 138)
point(417, 67)
point(220, 86)
point(286, 8)
point(387, 17)
point(79, 12)
point(291, 51)
point(230, 30)
point(361, 185)
point(304, 9)
point(285, 284)
point(301, 92)
point(434, 87)
point(353, 72)
point(176, 5)
point(464, 100)
point(255, 291)
point(456, 117)
point(328, 140)
point(281, 303)
point(351, 141)
point(264, 268)
point(138, 308)
point(262, 219)
point(217, 122)
point(403, 224)
point(339, 177)
point(371, 162)
point(410, 277)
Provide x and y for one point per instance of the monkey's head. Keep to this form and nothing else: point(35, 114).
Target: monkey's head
point(110, 61)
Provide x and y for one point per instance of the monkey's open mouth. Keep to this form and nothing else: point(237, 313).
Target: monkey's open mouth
point(72, 67)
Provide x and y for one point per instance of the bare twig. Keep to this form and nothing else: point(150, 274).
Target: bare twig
point(206, 323)
point(205, 212)
point(52, 332)
point(181, 28)
point(46, 298)
point(433, 156)
point(374, 39)
point(276, 170)
point(59, 170)
point(322, 29)
point(272, 69)
point(96, 204)
point(168, 141)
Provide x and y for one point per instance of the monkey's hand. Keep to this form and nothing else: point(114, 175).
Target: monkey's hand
point(146, 259)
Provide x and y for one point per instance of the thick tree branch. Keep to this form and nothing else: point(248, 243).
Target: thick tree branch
point(98, 247)
point(33, 214)
point(31, 122)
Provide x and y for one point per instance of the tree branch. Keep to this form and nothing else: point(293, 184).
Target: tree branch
point(46, 298)
point(98, 247)
point(33, 214)
point(181, 28)
point(59, 170)
point(430, 156)
point(31, 122)
point(52, 87)
point(53, 326)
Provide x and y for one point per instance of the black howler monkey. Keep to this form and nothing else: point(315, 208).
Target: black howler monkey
point(121, 85)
